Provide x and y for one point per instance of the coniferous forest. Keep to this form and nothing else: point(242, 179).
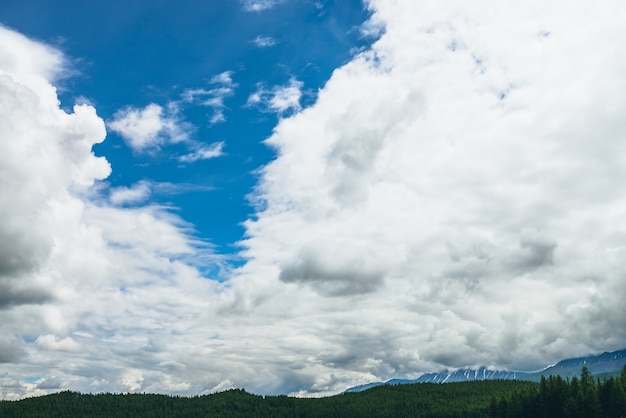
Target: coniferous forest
point(553, 397)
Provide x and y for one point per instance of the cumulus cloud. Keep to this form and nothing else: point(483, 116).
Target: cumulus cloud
point(76, 267)
point(148, 128)
point(30, 149)
point(335, 273)
point(54, 343)
point(15, 292)
point(36, 138)
point(45, 63)
point(474, 162)
point(283, 99)
point(11, 349)
point(453, 198)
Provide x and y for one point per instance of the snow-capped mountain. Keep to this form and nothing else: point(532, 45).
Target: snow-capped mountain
point(463, 375)
point(447, 376)
point(611, 362)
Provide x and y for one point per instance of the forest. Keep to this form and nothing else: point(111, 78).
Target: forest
point(585, 396)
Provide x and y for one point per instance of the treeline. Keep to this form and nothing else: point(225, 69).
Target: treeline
point(433, 400)
point(554, 397)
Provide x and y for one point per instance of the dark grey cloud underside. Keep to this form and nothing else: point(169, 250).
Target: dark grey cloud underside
point(21, 250)
point(329, 279)
point(11, 350)
point(13, 294)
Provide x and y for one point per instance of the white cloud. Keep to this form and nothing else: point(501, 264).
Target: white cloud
point(225, 78)
point(148, 128)
point(142, 191)
point(259, 5)
point(155, 126)
point(456, 192)
point(453, 198)
point(280, 99)
point(223, 87)
point(203, 152)
point(264, 41)
point(30, 149)
point(45, 63)
point(73, 270)
point(53, 343)
point(137, 193)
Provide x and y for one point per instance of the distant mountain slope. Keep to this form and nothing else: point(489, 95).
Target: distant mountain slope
point(366, 386)
point(447, 376)
point(605, 363)
point(464, 375)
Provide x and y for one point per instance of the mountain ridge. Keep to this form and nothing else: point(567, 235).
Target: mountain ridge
point(604, 363)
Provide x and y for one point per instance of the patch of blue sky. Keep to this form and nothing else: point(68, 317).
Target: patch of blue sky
point(156, 52)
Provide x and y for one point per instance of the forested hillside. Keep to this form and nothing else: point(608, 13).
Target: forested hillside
point(552, 397)
point(471, 399)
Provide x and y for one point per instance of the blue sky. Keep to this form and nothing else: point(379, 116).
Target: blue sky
point(152, 52)
point(296, 197)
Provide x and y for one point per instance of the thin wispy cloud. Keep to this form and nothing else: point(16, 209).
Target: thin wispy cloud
point(264, 41)
point(203, 152)
point(222, 87)
point(137, 193)
point(140, 192)
point(260, 5)
point(283, 99)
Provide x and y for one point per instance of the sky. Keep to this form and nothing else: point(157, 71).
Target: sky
point(296, 196)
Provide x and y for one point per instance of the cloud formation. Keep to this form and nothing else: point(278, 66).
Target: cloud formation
point(148, 128)
point(337, 275)
point(222, 87)
point(457, 189)
point(137, 193)
point(284, 100)
point(264, 41)
point(141, 192)
point(453, 198)
point(203, 152)
point(30, 148)
point(69, 259)
point(259, 5)
point(153, 127)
